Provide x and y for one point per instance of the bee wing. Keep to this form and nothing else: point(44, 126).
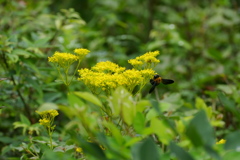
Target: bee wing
point(152, 81)
point(167, 81)
point(152, 89)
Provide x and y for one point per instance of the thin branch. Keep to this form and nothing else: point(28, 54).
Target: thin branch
point(26, 106)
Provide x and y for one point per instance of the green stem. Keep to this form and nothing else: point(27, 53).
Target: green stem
point(75, 71)
point(59, 72)
point(34, 148)
point(50, 137)
point(30, 152)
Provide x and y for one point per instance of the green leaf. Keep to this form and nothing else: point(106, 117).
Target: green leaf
point(179, 152)
point(89, 97)
point(163, 131)
point(233, 141)
point(122, 104)
point(231, 155)
point(89, 148)
point(171, 102)
point(22, 52)
point(42, 42)
point(128, 112)
point(74, 101)
point(228, 104)
point(115, 132)
point(139, 122)
point(142, 105)
point(47, 106)
point(200, 104)
point(21, 125)
point(199, 131)
point(146, 149)
point(25, 120)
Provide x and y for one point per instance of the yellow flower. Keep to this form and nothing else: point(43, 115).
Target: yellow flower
point(63, 59)
point(108, 67)
point(222, 141)
point(147, 73)
point(135, 62)
point(146, 61)
point(53, 112)
point(44, 122)
point(79, 150)
point(149, 57)
point(106, 76)
point(81, 52)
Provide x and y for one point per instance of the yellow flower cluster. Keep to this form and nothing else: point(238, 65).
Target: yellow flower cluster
point(63, 59)
point(47, 117)
point(81, 52)
point(222, 141)
point(108, 67)
point(105, 76)
point(44, 122)
point(146, 61)
point(79, 150)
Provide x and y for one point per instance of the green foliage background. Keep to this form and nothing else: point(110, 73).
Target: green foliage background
point(199, 46)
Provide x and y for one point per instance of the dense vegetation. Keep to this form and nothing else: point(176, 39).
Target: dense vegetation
point(50, 108)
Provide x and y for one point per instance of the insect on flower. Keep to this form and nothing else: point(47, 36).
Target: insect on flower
point(157, 80)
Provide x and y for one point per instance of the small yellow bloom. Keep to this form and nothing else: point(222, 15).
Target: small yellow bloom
point(147, 73)
point(63, 59)
point(53, 112)
point(135, 62)
point(108, 67)
point(79, 150)
point(81, 52)
point(44, 122)
point(222, 141)
point(146, 61)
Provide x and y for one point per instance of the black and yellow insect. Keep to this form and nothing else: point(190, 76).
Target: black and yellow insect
point(157, 80)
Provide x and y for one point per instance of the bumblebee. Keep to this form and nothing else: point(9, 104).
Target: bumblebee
point(157, 80)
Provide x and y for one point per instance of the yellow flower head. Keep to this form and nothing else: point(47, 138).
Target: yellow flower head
point(44, 122)
point(108, 67)
point(81, 52)
point(147, 73)
point(133, 76)
point(135, 62)
point(79, 150)
point(105, 76)
point(145, 60)
point(222, 141)
point(149, 57)
point(63, 59)
point(53, 112)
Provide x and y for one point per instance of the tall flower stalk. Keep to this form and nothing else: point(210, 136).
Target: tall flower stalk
point(47, 119)
point(63, 62)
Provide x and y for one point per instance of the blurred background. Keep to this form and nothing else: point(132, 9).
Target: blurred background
point(199, 44)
